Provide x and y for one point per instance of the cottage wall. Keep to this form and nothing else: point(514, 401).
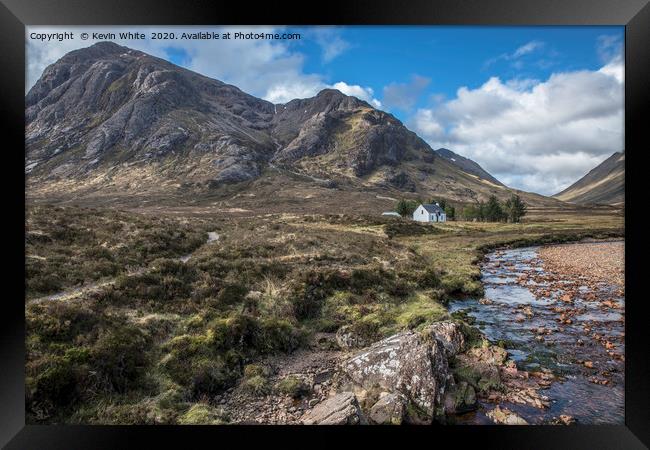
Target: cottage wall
point(421, 214)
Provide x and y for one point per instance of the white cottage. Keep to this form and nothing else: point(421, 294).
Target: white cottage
point(429, 213)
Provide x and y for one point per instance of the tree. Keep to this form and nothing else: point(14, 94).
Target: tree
point(471, 212)
point(515, 208)
point(494, 210)
point(482, 215)
point(450, 211)
point(406, 207)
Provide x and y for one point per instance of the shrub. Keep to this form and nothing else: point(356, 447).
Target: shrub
point(51, 383)
point(256, 385)
point(232, 294)
point(119, 355)
point(293, 386)
point(255, 370)
point(203, 414)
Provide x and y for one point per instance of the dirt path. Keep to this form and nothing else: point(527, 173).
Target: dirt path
point(314, 365)
point(90, 288)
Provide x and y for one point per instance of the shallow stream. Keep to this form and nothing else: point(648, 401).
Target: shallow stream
point(582, 352)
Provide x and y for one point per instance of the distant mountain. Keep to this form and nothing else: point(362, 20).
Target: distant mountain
point(111, 123)
point(605, 184)
point(467, 165)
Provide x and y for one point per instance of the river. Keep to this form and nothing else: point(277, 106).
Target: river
point(581, 340)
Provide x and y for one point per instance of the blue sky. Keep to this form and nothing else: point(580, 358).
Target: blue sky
point(536, 106)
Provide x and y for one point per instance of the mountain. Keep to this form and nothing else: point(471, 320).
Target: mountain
point(112, 124)
point(605, 184)
point(467, 165)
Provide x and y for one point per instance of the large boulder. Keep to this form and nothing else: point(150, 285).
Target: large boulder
point(449, 334)
point(340, 409)
point(390, 409)
point(413, 364)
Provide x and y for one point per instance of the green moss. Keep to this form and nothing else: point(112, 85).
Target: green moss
point(420, 310)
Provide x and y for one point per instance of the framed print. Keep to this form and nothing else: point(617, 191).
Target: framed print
point(372, 219)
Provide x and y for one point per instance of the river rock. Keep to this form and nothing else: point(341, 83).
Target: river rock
point(409, 363)
point(504, 416)
point(390, 409)
point(340, 409)
point(449, 334)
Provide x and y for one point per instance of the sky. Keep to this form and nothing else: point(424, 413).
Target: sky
point(537, 107)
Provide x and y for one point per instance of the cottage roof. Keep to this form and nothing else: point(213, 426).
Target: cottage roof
point(431, 209)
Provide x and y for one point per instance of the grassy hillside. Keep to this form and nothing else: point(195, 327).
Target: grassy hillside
point(605, 184)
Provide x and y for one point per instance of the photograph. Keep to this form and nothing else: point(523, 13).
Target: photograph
point(325, 225)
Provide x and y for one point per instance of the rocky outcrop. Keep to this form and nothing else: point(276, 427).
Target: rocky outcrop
point(449, 334)
point(408, 363)
point(339, 409)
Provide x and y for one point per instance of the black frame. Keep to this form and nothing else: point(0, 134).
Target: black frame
point(633, 14)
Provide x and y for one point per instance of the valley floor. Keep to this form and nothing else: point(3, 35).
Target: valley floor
point(249, 327)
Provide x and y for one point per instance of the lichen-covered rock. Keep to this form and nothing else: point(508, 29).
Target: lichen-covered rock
point(340, 409)
point(390, 409)
point(409, 363)
point(347, 338)
point(449, 334)
point(504, 416)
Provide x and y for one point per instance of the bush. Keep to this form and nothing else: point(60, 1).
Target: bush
point(429, 279)
point(51, 384)
point(232, 294)
point(203, 414)
point(293, 386)
point(254, 370)
point(119, 356)
point(256, 385)
point(59, 321)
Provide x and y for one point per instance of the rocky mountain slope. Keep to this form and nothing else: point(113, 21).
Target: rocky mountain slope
point(112, 124)
point(467, 165)
point(604, 184)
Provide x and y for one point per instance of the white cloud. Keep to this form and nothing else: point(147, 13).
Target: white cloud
point(533, 135)
point(330, 42)
point(404, 95)
point(515, 57)
point(526, 49)
point(362, 93)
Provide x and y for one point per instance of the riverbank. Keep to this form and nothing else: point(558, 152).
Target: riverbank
point(567, 327)
point(594, 262)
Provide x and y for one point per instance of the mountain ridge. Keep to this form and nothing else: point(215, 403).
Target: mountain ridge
point(107, 118)
point(604, 184)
